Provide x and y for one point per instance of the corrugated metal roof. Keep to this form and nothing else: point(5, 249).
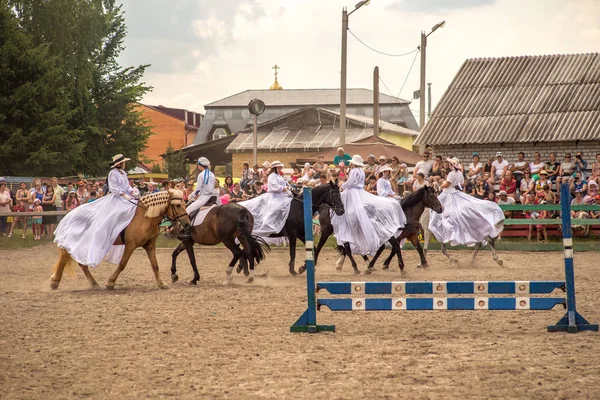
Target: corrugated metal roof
point(304, 97)
point(519, 99)
point(309, 129)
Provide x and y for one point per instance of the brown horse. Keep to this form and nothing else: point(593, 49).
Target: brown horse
point(224, 224)
point(142, 231)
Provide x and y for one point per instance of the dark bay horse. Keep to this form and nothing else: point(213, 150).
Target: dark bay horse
point(294, 225)
point(413, 206)
point(224, 224)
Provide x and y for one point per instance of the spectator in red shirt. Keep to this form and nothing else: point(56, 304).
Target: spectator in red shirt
point(509, 184)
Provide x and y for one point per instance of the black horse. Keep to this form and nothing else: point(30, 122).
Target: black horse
point(413, 206)
point(294, 225)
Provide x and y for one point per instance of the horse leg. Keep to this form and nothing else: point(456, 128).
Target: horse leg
point(341, 259)
point(90, 278)
point(445, 252)
point(349, 254)
point(237, 254)
point(492, 244)
point(110, 285)
point(293, 239)
point(150, 248)
point(371, 266)
point(189, 248)
point(179, 249)
point(63, 259)
point(426, 240)
point(396, 248)
point(475, 252)
point(414, 239)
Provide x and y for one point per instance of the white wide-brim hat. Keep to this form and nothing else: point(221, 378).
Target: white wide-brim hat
point(453, 160)
point(382, 170)
point(118, 159)
point(276, 163)
point(357, 160)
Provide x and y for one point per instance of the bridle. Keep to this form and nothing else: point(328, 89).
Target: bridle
point(174, 219)
point(330, 202)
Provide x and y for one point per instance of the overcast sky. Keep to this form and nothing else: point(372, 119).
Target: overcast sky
point(204, 50)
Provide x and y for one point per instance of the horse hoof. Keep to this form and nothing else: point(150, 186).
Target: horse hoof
point(174, 278)
point(367, 272)
point(293, 273)
point(250, 280)
point(339, 269)
point(386, 267)
point(163, 286)
point(403, 273)
point(301, 270)
point(193, 282)
point(110, 287)
point(246, 272)
point(238, 269)
point(453, 261)
point(500, 263)
point(54, 285)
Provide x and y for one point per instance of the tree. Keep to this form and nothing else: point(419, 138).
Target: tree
point(35, 135)
point(86, 38)
point(156, 169)
point(175, 163)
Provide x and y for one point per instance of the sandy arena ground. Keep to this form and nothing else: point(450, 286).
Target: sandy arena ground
point(215, 341)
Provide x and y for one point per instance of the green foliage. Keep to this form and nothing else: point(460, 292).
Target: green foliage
point(82, 40)
point(156, 169)
point(175, 163)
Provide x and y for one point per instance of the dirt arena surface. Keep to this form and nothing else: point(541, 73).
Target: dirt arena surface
point(215, 341)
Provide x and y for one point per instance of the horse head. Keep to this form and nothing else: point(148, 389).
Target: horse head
point(335, 199)
point(430, 200)
point(176, 212)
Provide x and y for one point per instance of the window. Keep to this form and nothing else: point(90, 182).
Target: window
point(220, 133)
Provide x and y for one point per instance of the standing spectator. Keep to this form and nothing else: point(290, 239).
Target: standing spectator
point(370, 166)
point(509, 185)
point(580, 163)
point(342, 156)
point(541, 228)
point(436, 170)
point(592, 192)
point(382, 163)
point(424, 166)
point(401, 178)
point(142, 186)
point(165, 186)
point(66, 194)
point(527, 186)
point(475, 168)
point(22, 206)
point(36, 193)
point(89, 187)
point(153, 187)
point(596, 168)
point(395, 166)
point(81, 193)
point(553, 168)
point(93, 196)
point(536, 166)
point(60, 191)
point(246, 176)
point(319, 167)
point(5, 203)
point(37, 219)
point(48, 204)
point(531, 199)
point(72, 200)
point(499, 168)
point(577, 201)
point(565, 171)
point(102, 188)
point(519, 167)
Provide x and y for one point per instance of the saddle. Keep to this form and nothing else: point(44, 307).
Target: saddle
point(212, 201)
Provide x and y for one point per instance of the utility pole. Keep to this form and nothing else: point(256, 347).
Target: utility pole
point(422, 88)
point(428, 101)
point(343, 83)
point(376, 101)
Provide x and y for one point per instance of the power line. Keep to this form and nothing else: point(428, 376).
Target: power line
point(381, 52)
point(402, 88)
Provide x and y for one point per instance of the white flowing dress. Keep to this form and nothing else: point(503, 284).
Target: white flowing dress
point(88, 232)
point(270, 211)
point(369, 221)
point(465, 220)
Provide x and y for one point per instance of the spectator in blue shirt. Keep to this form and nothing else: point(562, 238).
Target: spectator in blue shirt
point(342, 156)
point(580, 163)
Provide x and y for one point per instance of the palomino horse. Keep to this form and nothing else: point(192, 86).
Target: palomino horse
point(224, 224)
point(413, 206)
point(142, 231)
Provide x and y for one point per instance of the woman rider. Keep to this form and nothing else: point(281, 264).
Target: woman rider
point(465, 220)
point(205, 187)
point(271, 210)
point(89, 231)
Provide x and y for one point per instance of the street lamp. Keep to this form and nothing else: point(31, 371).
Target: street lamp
point(422, 86)
point(256, 107)
point(345, 16)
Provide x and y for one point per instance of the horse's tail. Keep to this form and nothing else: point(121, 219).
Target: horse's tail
point(256, 246)
point(64, 264)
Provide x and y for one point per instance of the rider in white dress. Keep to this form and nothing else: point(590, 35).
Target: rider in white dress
point(465, 220)
point(270, 211)
point(88, 232)
point(369, 221)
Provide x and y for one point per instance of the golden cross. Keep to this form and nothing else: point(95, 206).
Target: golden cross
point(275, 67)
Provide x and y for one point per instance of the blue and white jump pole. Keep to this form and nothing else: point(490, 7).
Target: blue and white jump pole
point(308, 321)
point(572, 322)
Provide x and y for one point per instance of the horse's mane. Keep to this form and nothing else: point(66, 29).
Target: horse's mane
point(413, 198)
point(156, 203)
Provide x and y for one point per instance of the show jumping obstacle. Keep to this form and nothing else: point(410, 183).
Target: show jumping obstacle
point(571, 322)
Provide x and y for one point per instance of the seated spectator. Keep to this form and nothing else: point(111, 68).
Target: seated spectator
point(307, 172)
point(153, 187)
point(470, 188)
point(503, 199)
point(536, 166)
point(491, 196)
point(527, 186)
point(371, 185)
point(577, 201)
point(580, 163)
point(395, 166)
point(424, 166)
point(296, 174)
point(487, 167)
point(258, 189)
point(419, 182)
point(319, 167)
point(264, 172)
point(552, 168)
point(592, 192)
point(342, 156)
point(475, 168)
point(596, 214)
point(596, 168)
point(370, 165)
point(445, 169)
point(323, 180)
point(482, 189)
point(236, 194)
point(566, 169)
point(342, 171)
point(436, 170)
point(255, 173)
point(547, 194)
point(543, 181)
point(509, 185)
point(400, 178)
point(382, 163)
point(499, 168)
point(228, 185)
point(578, 183)
point(246, 177)
point(518, 167)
